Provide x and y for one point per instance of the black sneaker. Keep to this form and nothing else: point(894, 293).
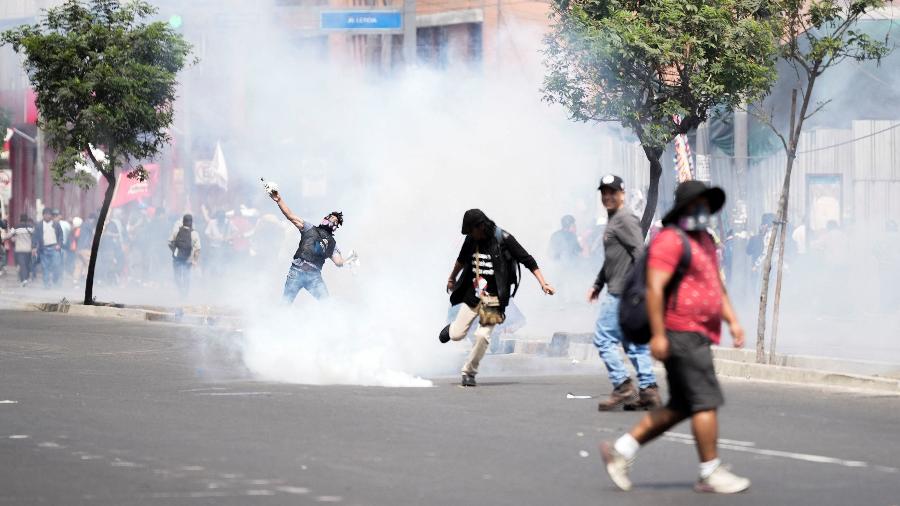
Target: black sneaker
point(468, 380)
point(444, 336)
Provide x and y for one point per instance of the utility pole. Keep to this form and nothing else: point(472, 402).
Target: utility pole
point(409, 32)
point(741, 152)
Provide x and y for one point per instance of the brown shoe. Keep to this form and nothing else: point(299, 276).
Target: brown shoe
point(649, 398)
point(620, 396)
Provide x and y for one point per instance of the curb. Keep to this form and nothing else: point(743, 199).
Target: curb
point(729, 363)
point(835, 365)
point(782, 374)
point(136, 314)
point(737, 363)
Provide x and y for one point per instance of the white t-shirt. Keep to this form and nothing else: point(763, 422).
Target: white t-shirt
point(49, 234)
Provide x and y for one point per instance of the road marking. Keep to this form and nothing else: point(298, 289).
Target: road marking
point(192, 495)
point(329, 498)
point(265, 482)
point(294, 490)
point(7, 401)
point(19, 436)
point(234, 393)
point(748, 447)
point(202, 389)
point(721, 440)
point(125, 463)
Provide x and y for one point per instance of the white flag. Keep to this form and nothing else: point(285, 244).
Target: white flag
point(213, 172)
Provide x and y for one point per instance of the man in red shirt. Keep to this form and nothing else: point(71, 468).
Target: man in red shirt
point(683, 324)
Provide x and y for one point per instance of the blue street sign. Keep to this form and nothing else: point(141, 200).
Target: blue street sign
point(361, 20)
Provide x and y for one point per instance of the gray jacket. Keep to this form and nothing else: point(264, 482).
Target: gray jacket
point(622, 244)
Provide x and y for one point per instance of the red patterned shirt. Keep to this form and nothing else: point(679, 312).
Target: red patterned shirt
point(697, 306)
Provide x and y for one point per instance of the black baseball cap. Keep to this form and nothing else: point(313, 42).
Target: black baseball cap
point(612, 182)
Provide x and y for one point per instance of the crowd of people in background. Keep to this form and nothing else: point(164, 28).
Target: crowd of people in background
point(833, 248)
point(55, 250)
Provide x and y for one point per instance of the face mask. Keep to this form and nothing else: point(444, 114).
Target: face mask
point(700, 219)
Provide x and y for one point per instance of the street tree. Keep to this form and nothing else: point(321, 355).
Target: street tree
point(641, 63)
point(818, 36)
point(5, 120)
point(105, 78)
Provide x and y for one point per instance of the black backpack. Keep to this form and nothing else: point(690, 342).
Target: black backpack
point(633, 317)
point(183, 244)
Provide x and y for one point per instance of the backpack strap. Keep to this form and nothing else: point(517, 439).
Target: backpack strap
point(500, 236)
point(683, 264)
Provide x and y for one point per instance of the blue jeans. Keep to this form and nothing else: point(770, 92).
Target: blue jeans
point(608, 336)
point(51, 265)
point(182, 269)
point(298, 279)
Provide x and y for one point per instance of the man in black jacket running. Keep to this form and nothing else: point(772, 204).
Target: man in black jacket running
point(482, 281)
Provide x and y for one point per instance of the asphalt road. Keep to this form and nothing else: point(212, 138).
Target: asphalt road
point(104, 412)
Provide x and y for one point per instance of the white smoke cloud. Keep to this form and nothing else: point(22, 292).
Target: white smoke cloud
point(404, 156)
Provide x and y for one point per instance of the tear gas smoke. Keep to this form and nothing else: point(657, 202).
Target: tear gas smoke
point(403, 158)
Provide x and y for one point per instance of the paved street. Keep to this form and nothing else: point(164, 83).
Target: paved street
point(103, 412)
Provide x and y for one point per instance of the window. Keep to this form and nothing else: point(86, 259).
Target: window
point(449, 45)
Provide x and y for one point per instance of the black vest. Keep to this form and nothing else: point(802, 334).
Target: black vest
point(316, 246)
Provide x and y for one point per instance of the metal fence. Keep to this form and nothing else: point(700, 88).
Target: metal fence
point(856, 171)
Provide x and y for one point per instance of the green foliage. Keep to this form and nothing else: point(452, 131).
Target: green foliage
point(639, 62)
point(823, 34)
point(103, 77)
point(5, 120)
point(817, 36)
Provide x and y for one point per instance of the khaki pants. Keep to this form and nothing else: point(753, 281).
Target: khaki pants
point(458, 330)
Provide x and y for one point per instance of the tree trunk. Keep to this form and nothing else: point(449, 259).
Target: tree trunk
point(653, 156)
point(98, 233)
point(767, 263)
point(778, 277)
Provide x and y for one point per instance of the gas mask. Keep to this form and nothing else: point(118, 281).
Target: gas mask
point(699, 219)
point(327, 224)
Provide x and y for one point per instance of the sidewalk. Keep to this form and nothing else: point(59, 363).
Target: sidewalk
point(741, 363)
point(873, 376)
point(68, 300)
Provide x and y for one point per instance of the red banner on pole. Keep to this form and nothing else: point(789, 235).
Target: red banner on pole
point(31, 111)
point(129, 190)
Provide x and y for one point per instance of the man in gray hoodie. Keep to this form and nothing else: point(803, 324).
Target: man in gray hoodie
point(622, 244)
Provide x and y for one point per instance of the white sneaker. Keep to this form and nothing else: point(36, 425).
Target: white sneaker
point(722, 481)
point(616, 466)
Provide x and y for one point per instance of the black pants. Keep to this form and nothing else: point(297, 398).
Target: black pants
point(23, 260)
